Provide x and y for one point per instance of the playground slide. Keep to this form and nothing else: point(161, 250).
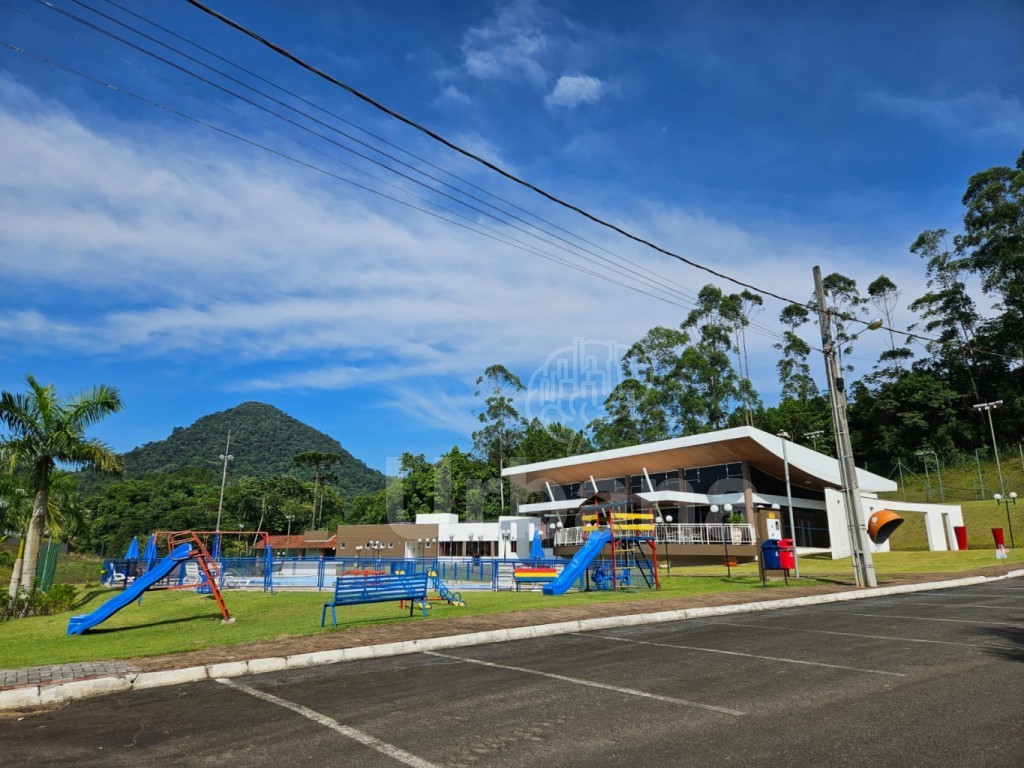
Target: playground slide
point(161, 570)
point(576, 567)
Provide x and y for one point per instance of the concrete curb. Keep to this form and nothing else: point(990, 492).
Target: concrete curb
point(36, 696)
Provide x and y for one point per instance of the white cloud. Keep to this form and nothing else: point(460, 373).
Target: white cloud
point(979, 113)
point(572, 90)
point(451, 93)
point(509, 46)
point(176, 248)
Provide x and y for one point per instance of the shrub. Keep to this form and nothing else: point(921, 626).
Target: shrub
point(59, 598)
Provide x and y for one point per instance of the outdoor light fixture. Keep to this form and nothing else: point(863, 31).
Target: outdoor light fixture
point(225, 457)
point(784, 436)
point(988, 408)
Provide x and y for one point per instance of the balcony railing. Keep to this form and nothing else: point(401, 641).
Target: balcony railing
point(677, 533)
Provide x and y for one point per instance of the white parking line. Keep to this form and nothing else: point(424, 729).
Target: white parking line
point(867, 637)
point(958, 605)
point(746, 655)
point(365, 739)
point(931, 618)
point(591, 684)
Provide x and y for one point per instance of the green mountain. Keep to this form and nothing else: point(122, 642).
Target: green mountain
point(263, 441)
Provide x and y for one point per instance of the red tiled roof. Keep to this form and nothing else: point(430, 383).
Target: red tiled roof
point(298, 541)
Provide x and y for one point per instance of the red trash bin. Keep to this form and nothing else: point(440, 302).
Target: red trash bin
point(997, 534)
point(787, 554)
point(960, 532)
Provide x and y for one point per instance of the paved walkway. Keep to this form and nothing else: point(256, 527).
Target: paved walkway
point(63, 673)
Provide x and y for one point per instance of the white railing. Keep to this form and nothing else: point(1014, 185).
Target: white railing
point(677, 533)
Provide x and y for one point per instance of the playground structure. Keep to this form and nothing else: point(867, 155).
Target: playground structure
point(182, 547)
point(624, 527)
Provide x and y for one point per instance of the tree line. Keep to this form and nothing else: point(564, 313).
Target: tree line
point(966, 348)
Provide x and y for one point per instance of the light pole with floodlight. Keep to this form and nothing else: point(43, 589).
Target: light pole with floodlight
point(225, 457)
point(784, 436)
point(1006, 502)
point(288, 539)
point(988, 408)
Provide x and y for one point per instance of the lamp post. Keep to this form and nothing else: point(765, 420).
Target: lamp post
point(784, 436)
point(451, 545)
point(1006, 502)
point(225, 457)
point(505, 536)
point(860, 549)
point(814, 435)
point(988, 408)
point(668, 521)
point(288, 538)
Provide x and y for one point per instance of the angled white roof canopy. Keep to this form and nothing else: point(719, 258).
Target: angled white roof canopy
point(807, 468)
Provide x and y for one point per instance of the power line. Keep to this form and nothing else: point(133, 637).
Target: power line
point(753, 328)
point(529, 185)
point(290, 158)
point(626, 272)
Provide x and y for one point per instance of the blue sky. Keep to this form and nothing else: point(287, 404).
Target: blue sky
point(194, 271)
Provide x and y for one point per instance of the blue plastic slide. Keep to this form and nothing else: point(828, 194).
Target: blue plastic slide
point(572, 572)
point(161, 570)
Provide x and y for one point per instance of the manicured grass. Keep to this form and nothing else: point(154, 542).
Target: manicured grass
point(887, 564)
point(182, 621)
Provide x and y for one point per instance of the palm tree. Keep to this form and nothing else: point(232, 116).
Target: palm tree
point(46, 430)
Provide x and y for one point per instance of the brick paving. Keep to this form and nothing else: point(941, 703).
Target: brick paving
point(416, 630)
point(63, 673)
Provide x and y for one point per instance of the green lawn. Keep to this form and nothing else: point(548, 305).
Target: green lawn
point(181, 621)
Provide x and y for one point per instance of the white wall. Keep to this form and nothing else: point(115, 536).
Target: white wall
point(939, 520)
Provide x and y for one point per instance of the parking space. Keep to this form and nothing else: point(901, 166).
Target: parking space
point(931, 678)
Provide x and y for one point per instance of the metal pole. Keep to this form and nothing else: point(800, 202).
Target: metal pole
point(995, 448)
point(981, 483)
point(864, 566)
point(938, 471)
point(225, 457)
point(927, 479)
point(903, 485)
point(789, 501)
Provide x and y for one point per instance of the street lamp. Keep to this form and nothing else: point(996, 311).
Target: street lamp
point(288, 539)
point(860, 549)
point(667, 519)
point(784, 435)
point(225, 457)
point(451, 545)
point(814, 435)
point(505, 536)
point(1006, 502)
point(988, 408)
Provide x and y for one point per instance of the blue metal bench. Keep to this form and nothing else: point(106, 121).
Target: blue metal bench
point(378, 588)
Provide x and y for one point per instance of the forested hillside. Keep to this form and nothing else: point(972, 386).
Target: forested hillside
point(264, 442)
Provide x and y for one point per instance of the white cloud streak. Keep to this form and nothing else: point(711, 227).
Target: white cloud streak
point(572, 90)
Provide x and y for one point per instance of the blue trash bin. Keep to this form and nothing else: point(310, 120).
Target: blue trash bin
point(770, 557)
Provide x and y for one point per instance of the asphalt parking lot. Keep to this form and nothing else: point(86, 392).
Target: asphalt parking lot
point(925, 679)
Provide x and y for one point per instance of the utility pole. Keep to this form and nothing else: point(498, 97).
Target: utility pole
point(863, 563)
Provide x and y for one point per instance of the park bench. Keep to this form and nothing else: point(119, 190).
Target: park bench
point(380, 588)
point(533, 576)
